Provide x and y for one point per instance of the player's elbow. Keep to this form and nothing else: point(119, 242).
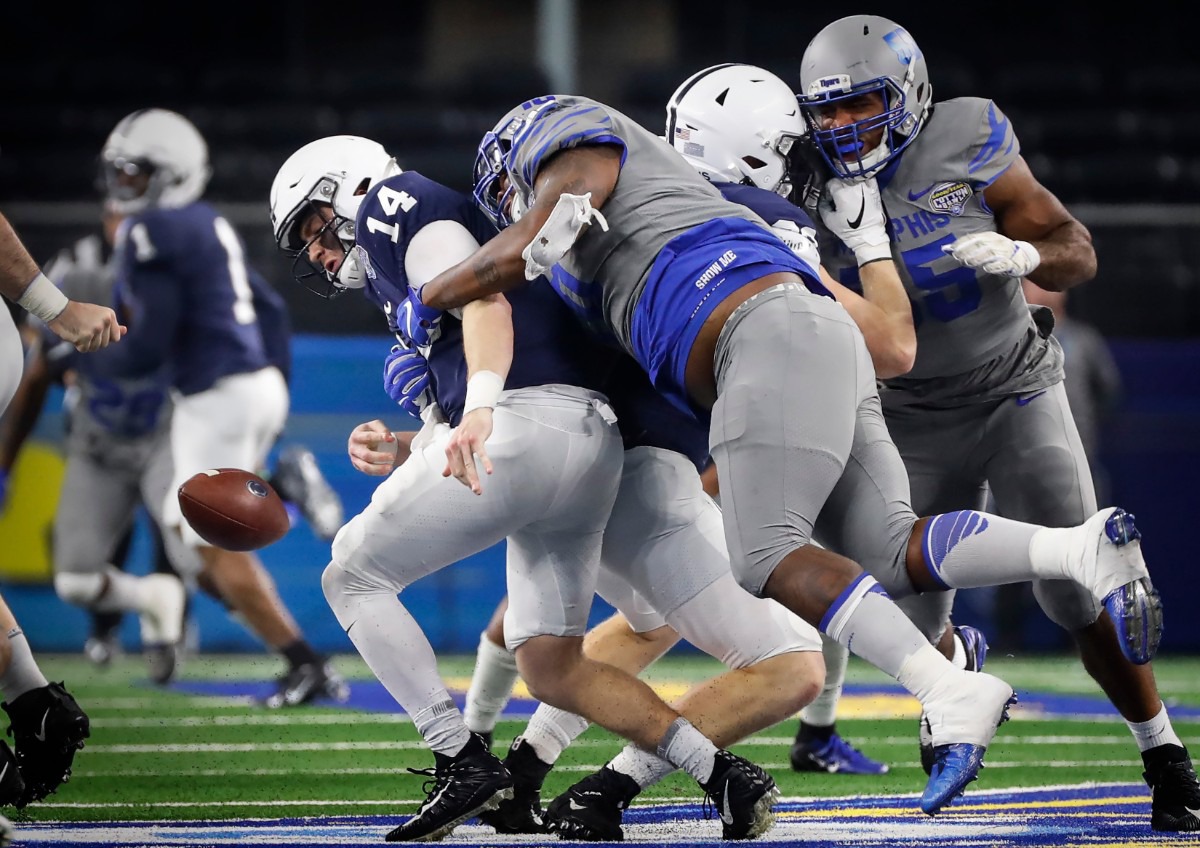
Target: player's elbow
point(895, 358)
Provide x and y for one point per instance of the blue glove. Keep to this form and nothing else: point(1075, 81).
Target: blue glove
point(3, 488)
point(416, 321)
point(406, 379)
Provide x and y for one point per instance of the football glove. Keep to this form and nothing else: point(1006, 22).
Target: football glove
point(802, 242)
point(416, 321)
point(853, 211)
point(993, 253)
point(406, 379)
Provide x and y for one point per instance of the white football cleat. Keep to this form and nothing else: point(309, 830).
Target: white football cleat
point(165, 599)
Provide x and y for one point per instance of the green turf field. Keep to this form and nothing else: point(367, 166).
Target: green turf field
point(158, 754)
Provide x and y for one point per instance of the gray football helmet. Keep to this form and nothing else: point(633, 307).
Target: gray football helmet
point(857, 55)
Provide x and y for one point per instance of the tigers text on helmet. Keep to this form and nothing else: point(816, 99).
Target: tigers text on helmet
point(856, 56)
point(492, 189)
point(328, 178)
point(153, 158)
point(737, 123)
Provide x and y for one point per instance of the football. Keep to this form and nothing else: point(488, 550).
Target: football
point(233, 509)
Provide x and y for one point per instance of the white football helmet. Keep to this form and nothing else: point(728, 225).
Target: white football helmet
point(858, 55)
point(162, 146)
point(737, 123)
point(334, 172)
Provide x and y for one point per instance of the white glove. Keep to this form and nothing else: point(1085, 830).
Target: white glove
point(853, 211)
point(803, 242)
point(993, 253)
point(562, 229)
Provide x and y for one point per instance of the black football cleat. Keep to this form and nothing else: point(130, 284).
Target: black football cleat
point(523, 812)
point(298, 479)
point(1174, 792)
point(48, 727)
point(307, 682)
point(591, 810)
point(744, 797)
point(12, 785)
point(459, 787)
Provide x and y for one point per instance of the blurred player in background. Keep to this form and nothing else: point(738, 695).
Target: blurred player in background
point(984, 405)
point(191, 304)
point(353, 219)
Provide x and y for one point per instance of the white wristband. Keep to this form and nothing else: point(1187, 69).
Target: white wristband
point(483, 389)
point(43, 299)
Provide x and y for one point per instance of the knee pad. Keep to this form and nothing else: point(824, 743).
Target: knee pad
point(79, 589)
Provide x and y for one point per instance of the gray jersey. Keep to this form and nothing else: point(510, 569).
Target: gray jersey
point(976, 338)
point(659, 196)
point(107, 411)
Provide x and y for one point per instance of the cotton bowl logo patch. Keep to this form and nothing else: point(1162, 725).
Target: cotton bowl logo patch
point(365, 261)
point(950, 198)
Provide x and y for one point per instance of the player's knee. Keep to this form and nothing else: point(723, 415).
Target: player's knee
point(333, 583)
point(81, 590)
point(547, 665)
point(790, 681)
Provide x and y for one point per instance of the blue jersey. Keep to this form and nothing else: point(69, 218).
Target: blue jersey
point(646, 419)
point(185, 290)
point(275, 323)
point(547, 344)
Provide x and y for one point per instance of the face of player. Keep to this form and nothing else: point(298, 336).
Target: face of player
point(321, 242)
point(843, 113)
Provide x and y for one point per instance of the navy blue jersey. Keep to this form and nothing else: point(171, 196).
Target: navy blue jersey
point(548, 346)
point(275, 322)
point(185, 292)
point(766, 204)
point(647, 419)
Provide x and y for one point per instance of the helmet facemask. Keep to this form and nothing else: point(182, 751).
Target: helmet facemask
point(493, 197)
point(337, 231)
point(842, 147)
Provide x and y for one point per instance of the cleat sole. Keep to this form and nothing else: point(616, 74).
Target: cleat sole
point(445, 830)
point(1136, 611)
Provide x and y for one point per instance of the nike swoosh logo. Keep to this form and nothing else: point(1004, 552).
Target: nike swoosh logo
point(571, 802)
point(918, 195)
point(861, 209)
point(726, 813)
point(1023, 401)
point(41, 735)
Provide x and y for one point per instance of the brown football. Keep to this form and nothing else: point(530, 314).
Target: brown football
point(233, 509)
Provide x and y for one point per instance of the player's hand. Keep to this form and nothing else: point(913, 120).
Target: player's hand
point(803, 242)
point(88, 326)
point(3, 489)
point(418, 322)
point(853, 211)
point(993, 253)
point(466, 445)
point(406, 379)
point(372, 448)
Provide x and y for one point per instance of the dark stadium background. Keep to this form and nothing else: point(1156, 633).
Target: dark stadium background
point(1106, 105)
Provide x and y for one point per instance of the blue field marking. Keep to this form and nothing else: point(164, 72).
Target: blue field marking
point(370, 696)
point(1108, 814)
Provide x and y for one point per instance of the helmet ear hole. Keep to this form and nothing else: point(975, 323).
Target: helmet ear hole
point(754, 162)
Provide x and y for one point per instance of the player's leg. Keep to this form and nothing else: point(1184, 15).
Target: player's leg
point(779, 453)
point(300, 483)
point(96, 507)
point(47, 725)
point(1040, 473)
point(493, 678)
point(104, 638)
point(232, 425)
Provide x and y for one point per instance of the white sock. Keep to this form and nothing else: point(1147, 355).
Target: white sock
point(645, 768)
point(923, 670)
point(969, 549)
point(395, 648)
point(1157, 731)
point(551, 730)
point(689, 749)
point(22, 674)
point(822, 712)
point(491, 685)
point(959, 660)
point(867, 622)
